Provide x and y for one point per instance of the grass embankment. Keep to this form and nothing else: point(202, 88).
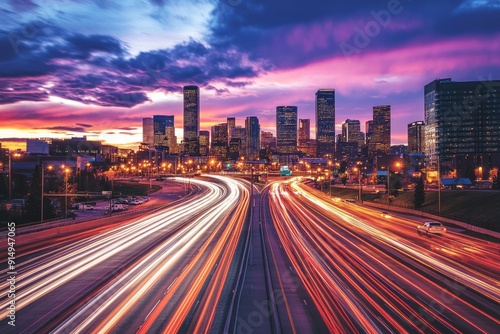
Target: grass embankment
point(133, 189)
point(470, 206)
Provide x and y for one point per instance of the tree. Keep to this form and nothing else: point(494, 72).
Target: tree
point(419, 195)
point(33, 202)
point(343, 179)
point(397, 185)
point(496, 182)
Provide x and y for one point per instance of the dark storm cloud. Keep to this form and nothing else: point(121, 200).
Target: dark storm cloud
point(95, 69)
point(291, 34)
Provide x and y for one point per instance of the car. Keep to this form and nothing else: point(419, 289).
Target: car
point(118, 207)
point(86, 207)
point(350, 200)
point(385, 214)
point(429, 228)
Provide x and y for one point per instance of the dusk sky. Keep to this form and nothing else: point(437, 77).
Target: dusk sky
point(96, 68)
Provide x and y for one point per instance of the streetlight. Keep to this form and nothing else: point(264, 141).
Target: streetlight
point(43, 181)
point(398, 164)
point(10, 173)
point(439, 184)
point(359, 181)
point(66, 171)
point(331, 176)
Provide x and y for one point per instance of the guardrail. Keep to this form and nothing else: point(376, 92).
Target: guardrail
point(435, 217)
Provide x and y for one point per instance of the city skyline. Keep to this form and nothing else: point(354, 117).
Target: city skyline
point(68, 71)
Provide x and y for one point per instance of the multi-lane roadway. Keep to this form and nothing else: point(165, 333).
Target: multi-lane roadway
point(283, 258)
point(163, 272)
point(366, 272)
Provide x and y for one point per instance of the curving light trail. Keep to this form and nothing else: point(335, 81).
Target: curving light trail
point(207, 225)
point(366, 276)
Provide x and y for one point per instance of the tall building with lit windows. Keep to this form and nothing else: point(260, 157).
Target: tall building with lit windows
point(160, 125)
point(231, 123)
point(325, 122)
point(381, 138)
point(219, 141)
point(191, 120)
point(304, 130)
point(252, 142)
point(204, 142)
point(286, 129)
point(462, 126)
point(416, 136)
point(148, 130)
point(351, 132)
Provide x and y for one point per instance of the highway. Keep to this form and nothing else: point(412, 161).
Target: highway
point(157, 273)
point(284, 258)
point(370, 274)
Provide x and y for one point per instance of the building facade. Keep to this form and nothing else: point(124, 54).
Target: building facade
point(381, 138)
point(351, 132)
point(160, 124)
point(191, 120)
point(219, 141)
point(148, 130)
point(462, 126)
point(325, 122)
point(252, 142)
point(231, 123)
point(286, 129)
point(204, 142)
point(416, 137)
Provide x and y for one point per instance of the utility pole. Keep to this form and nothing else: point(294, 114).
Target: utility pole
point(41, 210)
point(439, 184)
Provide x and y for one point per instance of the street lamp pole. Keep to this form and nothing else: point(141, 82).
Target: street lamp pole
point(41, 210)
point(388, 181)
point(439, 185)
point(10, 177)
point(359, 179)
point(66, 171)
point(331, 176)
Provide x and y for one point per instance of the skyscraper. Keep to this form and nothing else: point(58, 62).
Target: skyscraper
point(231, 123)
point(325, 122)
point(160, 124)
point(368, 136)
point(204, 142)
point(381, 139)
point(416, 136)
point(267, 140)
point(462, 126)
point(351, 132)
point(252, 127)
point(191, 120)
point(304, 130)
point(219, 141)
point(148, 130)
point(286, 129)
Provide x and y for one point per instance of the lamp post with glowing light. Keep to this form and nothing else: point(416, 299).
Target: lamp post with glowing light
point(43, 181)
point(330, 176)
point(66, 171)
point(10, 173)
point(358, 168)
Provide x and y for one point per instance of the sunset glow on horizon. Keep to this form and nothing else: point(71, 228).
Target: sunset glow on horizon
point(93, 69)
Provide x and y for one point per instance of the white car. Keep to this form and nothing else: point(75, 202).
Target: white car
point(86, 207)
point(429, 228)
